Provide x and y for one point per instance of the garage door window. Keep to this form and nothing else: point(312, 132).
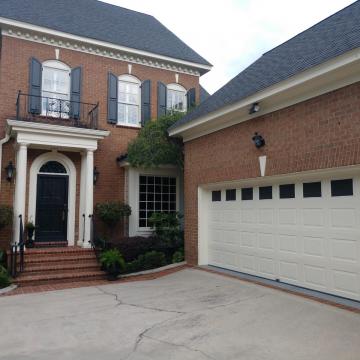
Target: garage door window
point(287, 191)
point(247, 193)
point(231, 195)
point(157, 194)
point(265, 192)
point(342, 187)
point(312, 189)
point(216, 195)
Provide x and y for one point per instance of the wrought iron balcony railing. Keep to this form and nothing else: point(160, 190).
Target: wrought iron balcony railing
point(56, 111)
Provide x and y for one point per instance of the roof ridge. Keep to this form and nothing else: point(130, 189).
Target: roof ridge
point(122, 7)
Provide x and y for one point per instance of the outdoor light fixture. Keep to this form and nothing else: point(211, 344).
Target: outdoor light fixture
point(255, 107)
point(10, 171)
point(258, 140)
point(96, 175)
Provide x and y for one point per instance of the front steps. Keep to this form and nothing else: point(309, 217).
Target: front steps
point(48, 266)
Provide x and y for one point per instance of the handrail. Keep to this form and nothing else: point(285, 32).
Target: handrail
point(16, 268)
point(98, 245)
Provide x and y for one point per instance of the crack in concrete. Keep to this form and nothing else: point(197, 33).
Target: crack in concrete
point(121, 302)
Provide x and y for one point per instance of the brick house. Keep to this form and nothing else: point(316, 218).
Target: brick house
point(272, 164)
point(75, 89)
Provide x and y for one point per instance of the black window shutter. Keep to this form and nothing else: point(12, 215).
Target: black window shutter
point(112, 98)
point(145, 102)
point(191, 98)
point(75, 94)
point(161, 94)
point(35, 72)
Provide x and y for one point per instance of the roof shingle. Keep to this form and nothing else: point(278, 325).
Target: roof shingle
point(328, 39)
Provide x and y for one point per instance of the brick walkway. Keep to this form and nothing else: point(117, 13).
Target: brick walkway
point(72, 285)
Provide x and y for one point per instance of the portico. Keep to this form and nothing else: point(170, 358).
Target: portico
point(52, 179)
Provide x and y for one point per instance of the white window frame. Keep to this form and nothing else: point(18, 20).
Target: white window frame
point(129, 79)
point(179, 89)
point(58, 66)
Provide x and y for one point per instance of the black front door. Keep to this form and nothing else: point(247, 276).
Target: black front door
point(51, 208)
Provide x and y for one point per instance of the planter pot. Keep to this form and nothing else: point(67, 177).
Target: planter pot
point(113, 272)
point(30, 242)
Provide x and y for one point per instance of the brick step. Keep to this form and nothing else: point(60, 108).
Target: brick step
point(58, 250)
point(57, 278)
point(50, 244)
point(59, 258)
point(45, 268)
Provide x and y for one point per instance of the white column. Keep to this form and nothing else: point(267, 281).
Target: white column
point(82, 200)
point(89, 194)
point(20, 188)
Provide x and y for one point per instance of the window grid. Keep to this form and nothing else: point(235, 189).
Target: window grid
point(129, 103)
point(156, 194)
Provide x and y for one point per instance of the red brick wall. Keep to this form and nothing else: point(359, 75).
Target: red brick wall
point(322, 132)
point(14, 75)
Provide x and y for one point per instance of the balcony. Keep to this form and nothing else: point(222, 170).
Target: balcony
point(56, 111)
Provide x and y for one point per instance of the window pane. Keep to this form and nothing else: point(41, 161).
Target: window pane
point(176, 100)
point(231, 195)
point(216, 195)
point(265, 192)
point(55, 80)
point(287, 191)
point(247, 193)
point(156, 192)
point(312, 189)
point(342, 187)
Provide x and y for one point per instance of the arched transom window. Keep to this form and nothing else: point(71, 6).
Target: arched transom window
point(129, 112)
point(176, 98)
point(55, 88)
point(53, 167)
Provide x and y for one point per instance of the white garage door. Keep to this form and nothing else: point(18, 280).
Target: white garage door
point(302, 233)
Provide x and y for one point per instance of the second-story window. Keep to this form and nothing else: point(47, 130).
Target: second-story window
point(55, 89)
point(129, 100)
point(176, 98)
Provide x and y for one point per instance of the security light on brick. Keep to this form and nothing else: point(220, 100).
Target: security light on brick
point(258, 140)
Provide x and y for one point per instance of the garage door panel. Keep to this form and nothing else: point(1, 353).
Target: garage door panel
point(309, 242)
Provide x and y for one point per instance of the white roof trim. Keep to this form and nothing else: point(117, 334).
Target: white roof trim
point(55, 33)
point(340, 71)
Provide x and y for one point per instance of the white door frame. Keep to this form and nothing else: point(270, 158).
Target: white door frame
point(71, 172)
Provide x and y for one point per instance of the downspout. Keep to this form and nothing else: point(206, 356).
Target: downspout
point(3, 141)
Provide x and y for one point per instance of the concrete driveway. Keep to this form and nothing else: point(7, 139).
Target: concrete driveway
point(188, 315)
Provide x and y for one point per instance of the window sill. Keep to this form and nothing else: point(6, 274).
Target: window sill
point(134, 127)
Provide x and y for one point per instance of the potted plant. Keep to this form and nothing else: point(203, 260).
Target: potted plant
point(113, 263)
point(30, 228)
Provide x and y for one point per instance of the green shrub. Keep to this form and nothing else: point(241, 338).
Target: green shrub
point(112, 212)
point(4, 278)
point(178, 256)
point(112, 259)
point(150, 260)
point(167, 229)
point(6, 215)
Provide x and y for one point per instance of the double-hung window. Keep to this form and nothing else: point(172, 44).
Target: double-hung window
point(55, 89)
point(129, 112)
point(176, 98)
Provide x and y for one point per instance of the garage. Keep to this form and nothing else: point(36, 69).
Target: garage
point(302, 231)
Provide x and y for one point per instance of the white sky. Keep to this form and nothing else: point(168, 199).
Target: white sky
point(231, 34)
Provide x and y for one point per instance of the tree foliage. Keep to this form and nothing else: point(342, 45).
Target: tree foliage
point(153, 147)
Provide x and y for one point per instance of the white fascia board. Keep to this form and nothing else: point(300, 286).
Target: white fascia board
point(91, 41)
point(352, 57)
point(14, 126)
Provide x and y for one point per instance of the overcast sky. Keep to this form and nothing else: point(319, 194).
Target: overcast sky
point(231, 34)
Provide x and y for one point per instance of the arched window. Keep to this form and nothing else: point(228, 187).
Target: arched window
point(53, 167)
point(176, 98)
point(55, 89)
point(129, 112)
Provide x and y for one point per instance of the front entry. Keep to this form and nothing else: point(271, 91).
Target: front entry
point(51, 208)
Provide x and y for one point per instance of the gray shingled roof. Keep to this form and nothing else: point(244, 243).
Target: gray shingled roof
point(203, 94)
point(329, 38)
point(101, 21)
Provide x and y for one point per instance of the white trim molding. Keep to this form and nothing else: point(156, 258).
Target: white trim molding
point(39, 34)
point(71, 173)
point(334, 74)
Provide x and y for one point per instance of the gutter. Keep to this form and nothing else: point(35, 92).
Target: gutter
point(3, 141)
